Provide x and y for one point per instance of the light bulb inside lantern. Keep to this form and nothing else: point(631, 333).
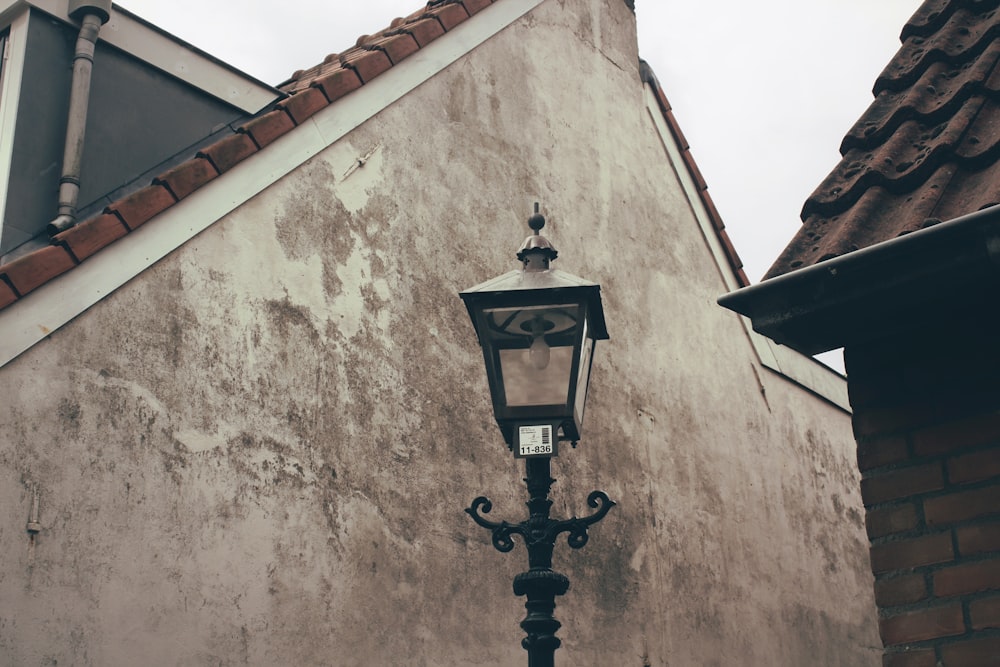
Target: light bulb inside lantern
point(538, 353)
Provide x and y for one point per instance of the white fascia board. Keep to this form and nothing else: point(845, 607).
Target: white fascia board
point(161, 50)
point(32, 318)
point(800, 369)
point(11, 74)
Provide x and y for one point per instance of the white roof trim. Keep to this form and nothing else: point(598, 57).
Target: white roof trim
point(10, 96)
point(32, 318)
point(805, 371)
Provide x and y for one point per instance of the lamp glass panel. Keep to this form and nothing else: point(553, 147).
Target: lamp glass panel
point(538, 376)
point(583, 377)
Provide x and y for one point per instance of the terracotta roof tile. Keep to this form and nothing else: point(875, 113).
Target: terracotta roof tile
point(7, 294)
point(367, 64)
point(89, 236)
point(398, 47)
point(450, 14)
point(475, 6)
point(35, 269)
point(424, 31)
point(228, 152)
point(142, 205)
point(928, 147)
point(304, 104)
point(268, 127)
point(187, 177)
point(338, 83)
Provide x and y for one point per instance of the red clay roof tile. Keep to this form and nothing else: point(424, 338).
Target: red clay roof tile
point(398, 47)
point(227, 153)
point(928, 147)
point(338, 83)
point(368, 64)
point(476, 6)
point(37, 268)
point(7, 294)
point(450, 15)
point(140, 206)
point(92, 235)
point(187, 177)
point(424, 31)
point(304, 104)
point(268, 127)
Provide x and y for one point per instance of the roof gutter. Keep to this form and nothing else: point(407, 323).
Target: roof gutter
point(92, 15)
point(917, 280)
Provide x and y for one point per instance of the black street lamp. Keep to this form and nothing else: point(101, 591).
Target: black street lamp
point(538, 327)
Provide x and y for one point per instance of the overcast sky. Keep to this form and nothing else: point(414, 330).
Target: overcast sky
point(763, 90)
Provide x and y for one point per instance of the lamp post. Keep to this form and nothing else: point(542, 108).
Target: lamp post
point(538, 327)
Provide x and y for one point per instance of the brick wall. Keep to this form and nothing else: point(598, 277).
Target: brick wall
point(927, 423)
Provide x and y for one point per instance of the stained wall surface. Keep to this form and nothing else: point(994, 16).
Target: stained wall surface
point(258, 451)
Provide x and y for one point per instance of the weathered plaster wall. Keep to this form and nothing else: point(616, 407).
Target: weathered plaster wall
point(258, 451)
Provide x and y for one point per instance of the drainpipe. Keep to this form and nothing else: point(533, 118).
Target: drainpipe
point(92, 14)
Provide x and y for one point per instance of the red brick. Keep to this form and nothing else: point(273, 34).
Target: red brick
point(905, 554)
point(890, 520)
point(974, 653)
point(877, 452)
point(955, 435)
point(142, 205)
point(476, 6)
point(897, 591)
point(985, 613)
point(967, 578)
point(449, 15)
point(229, 152)
point(918, 658)
point(962, 506)
point(338, 83)
point(187, 177)
point(37, 268)
point(885, 420)
point(424, 31)
point(7, 294)
point(265, 129)
point(398, 47)
point(902, 483)
point(978, 539)
point(86, 238)
point(922, 624)
point(304, 104)
point(974, 467)
point(368, 64)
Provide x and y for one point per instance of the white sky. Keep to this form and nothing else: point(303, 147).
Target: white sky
point(764, 90)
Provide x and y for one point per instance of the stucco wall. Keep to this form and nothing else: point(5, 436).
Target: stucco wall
point(258, 451)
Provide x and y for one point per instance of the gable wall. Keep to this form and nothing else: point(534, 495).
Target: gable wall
point(262, 445)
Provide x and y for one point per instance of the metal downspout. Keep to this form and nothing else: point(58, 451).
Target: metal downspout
point(94, 14)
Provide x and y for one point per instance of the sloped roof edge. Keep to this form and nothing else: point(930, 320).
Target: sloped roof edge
point(732, 257)
point(923, 279)
point(196, 193)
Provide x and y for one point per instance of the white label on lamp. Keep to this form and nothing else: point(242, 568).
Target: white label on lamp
point(534, 440)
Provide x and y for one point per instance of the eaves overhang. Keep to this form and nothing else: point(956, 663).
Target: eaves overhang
point(923, 279)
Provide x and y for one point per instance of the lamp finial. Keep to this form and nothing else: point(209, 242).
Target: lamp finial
point(536, 252)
